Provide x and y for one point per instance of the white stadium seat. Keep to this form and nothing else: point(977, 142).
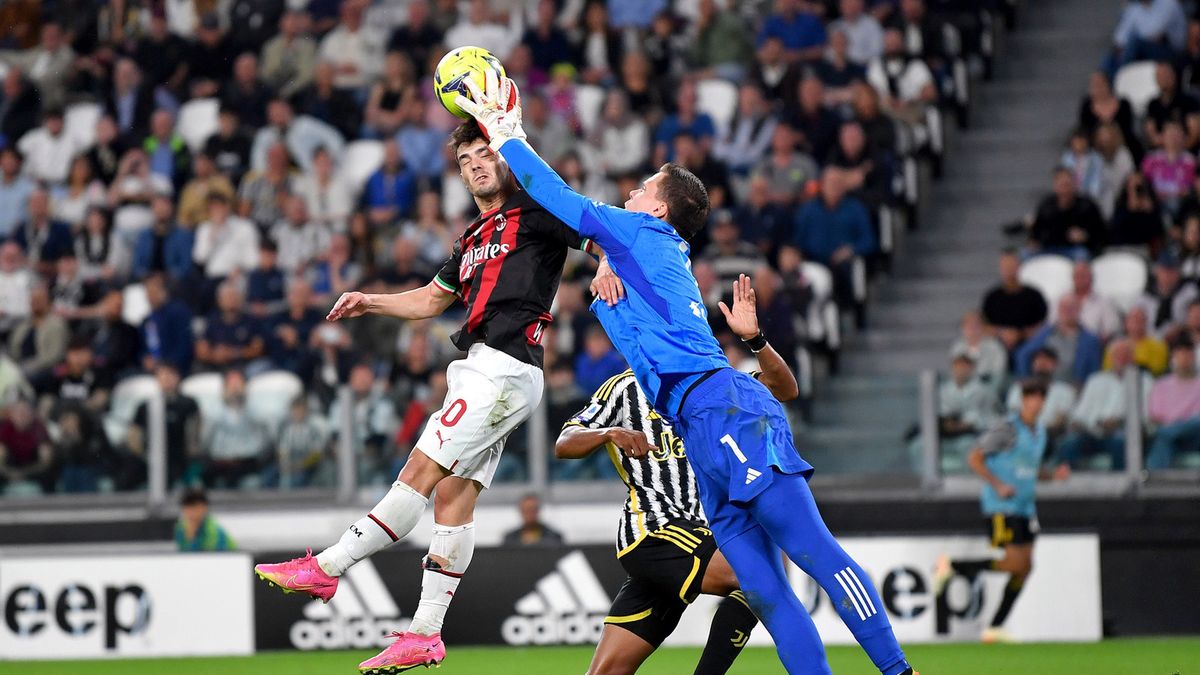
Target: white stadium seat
point(1050, 275)
point(361, 159)
point(135, 306)
point(270, 394)
point(129, 393)
point(80, 119)
point(205, 389)
point(719, 99)
point(197, 121)
point(589, 103)
point(1136, 82)
point(1121, 277)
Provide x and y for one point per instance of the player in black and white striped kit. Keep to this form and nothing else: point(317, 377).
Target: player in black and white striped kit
point(663, 541)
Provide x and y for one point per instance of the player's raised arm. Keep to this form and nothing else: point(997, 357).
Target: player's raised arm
point(420, 303)
point(743, 321)
point(498, 111)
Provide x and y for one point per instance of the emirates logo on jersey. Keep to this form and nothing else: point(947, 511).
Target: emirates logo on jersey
point(478, 255)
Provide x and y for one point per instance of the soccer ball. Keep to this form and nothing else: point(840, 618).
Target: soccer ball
point(455, 67)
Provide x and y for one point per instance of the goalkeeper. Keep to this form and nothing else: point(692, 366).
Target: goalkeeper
point(753, 483)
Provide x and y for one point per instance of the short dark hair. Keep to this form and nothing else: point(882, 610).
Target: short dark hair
point(192, 496)
point(465, 134)
point(686, 199)
point(1048, 352)
point(78, 342)
point(1034, 386)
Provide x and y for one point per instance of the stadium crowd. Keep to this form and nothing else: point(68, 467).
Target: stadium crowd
point(187, 185)
point(1124, 203)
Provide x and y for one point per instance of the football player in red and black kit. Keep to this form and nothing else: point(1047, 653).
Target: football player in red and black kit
point(505, 268)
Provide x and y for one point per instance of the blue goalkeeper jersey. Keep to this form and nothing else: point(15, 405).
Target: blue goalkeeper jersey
point(662, 327)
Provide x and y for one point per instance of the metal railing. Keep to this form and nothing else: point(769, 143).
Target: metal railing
point(158, 499)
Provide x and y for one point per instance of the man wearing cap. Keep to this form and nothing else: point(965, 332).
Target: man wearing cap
point(1166, 302)
point(1078, 350)
point(966, 407)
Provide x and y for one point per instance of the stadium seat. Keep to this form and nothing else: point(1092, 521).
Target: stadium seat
point(135, 306)
point(362, 158)
point(270, 394)
point(719, 99)
point(1050, 275)
point(1121, 277)
point(129, 393)
point(1136, 82)
point(197, 121)
point(205, 389)
point(80, 119)
point(822, 325)
point(589, 103)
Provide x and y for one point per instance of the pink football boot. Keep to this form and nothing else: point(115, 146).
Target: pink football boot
point(407, 652)
point(300, 575)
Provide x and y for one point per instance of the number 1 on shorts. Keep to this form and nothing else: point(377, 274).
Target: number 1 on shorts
point(737, 452)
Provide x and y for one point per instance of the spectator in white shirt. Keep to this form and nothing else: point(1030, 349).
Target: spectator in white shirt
point(352, 49)
point(48, 65)
point(621, 141)
point(49, 149)
point(966, 408)
point(235, 444)
point(905, 85)
point(1096, 313)
point(478, 29)
point(299, 239)
point(373, 418)
point(1097, 424)
point(863, 31)
point(16, 283)
point(1060, 396)
point(225, 244)
point(991, 360)
point(330, 200)
point(301, 135)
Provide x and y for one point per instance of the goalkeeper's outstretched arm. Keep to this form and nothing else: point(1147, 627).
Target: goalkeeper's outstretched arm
point(498, 111)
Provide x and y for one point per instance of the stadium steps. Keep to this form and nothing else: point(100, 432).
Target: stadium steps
point(995, 172)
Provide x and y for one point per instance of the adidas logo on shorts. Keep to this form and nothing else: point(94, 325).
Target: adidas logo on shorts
point(567, 606)
point(751, 475)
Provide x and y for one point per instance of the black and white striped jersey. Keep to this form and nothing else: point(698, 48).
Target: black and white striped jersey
point(662, 488)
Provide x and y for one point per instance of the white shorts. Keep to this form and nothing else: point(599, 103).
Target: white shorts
point(489, 394)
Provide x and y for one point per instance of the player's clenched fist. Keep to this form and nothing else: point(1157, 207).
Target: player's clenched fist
point(631, 443)
point(348, 306)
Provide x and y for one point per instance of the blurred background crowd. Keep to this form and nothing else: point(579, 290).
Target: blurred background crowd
point(1100, 284)
point(187, 185)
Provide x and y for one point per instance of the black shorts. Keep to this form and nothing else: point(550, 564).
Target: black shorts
point(1004, 529)
point(665, 569)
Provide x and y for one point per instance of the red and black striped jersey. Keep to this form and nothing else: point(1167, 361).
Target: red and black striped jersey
point(506, 268)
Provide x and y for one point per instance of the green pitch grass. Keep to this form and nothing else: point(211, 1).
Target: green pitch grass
point(1167, 656)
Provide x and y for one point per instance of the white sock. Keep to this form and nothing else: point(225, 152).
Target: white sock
point(439, 582)
point(390, 521)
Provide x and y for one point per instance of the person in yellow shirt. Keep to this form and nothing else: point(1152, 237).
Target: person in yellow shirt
point(1149, 352)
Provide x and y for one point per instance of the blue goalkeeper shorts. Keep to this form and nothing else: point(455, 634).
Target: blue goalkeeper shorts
point(735, 431)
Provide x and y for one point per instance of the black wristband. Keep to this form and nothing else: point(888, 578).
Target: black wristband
point(757, 343)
